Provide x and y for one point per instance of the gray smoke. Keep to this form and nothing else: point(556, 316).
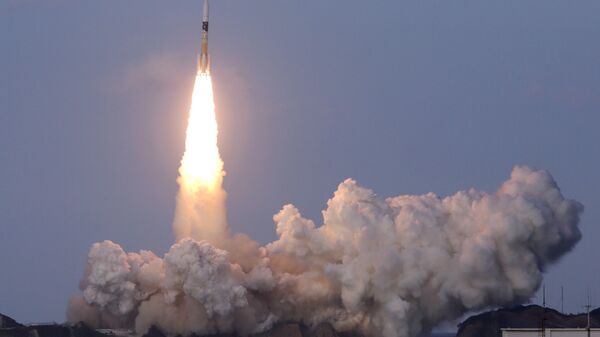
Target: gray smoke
point(387, 267)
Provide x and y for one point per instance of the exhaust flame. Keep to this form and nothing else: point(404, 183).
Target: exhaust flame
point(200, 210)
point(201, 166)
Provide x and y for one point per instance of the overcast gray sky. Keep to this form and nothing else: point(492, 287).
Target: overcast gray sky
point(405, 97)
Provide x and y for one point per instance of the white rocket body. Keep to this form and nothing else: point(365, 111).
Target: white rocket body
point(203, 59)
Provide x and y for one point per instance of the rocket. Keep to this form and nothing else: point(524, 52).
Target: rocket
point(203, 60)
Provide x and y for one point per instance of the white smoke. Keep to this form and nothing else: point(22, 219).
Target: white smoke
point(386, 267)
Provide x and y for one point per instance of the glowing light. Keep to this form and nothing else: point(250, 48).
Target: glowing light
point(201, 166)
point(200, 212)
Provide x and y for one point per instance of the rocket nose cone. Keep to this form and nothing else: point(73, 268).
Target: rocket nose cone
point(205, 11)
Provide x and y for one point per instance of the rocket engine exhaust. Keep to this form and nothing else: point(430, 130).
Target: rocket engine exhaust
point(200, 209)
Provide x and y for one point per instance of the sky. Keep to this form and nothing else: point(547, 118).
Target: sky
point(406, 97)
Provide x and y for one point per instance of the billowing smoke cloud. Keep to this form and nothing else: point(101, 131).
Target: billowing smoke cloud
point(387, 267)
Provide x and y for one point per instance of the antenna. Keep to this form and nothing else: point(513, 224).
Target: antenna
point(562, 300)
point(543, 327)
point(544, 296)
point(587, 307)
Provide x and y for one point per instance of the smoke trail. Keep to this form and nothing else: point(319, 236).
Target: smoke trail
point(200, 211)
point(386, 267)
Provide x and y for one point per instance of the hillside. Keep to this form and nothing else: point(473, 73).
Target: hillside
point(489, 324)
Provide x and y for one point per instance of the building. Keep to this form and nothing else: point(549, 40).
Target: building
point(551, 332)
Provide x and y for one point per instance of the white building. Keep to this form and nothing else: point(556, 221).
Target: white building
point(117, 332)
point(550, 332)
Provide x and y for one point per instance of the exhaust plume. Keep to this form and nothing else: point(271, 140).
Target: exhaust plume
point(200, 210)
point(391, 267)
